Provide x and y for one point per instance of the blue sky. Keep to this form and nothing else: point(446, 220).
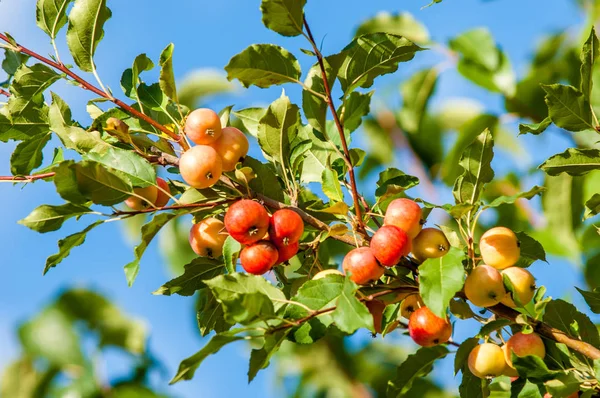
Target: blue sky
point(206, 35)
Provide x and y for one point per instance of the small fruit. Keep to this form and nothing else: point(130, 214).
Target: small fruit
point(145, 197)
point(287, 252)
point(362, 266)
point(203, 126)
point(499, 248)
point(247, 221)
point(232, 146)
point(406, 215)
point(390, 244)
point(427, 329)
point(486, 361)
point(410, 305)
point(259, 257)
point(484, 286)
point(523, 283)
point(200, 166)
point(508, 370)
point(325, 272)
point(430, 243)
point(376, 308)
point(524, 344)
point(285, 227)
point(163, 188)
point(208, 237)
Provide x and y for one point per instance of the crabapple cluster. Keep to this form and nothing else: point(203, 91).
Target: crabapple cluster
point(218, 149)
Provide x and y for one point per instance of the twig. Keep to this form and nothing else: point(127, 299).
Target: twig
point(30, 178)
point(4, 92)
point(173, 207)
point(88, 86)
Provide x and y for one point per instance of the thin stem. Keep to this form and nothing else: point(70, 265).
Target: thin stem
point(4, 92)
point(56, 51)
point(340, 128)
point(90, 87)
point(173, 207)
point(30, 178)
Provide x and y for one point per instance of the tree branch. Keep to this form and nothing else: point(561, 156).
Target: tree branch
point(90, 87)
point(340, 128)
point(4, 92)
point(30, 178)
point(173, 207)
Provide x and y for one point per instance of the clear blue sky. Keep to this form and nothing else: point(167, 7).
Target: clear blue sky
point(207, 34)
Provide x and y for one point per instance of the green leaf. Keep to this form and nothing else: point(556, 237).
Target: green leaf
point(394, 181)
point(130, 80)
point(167, 76)
point(531, 250)
point(401, 24)
point(196, 272)
point(593, 206)
point(317, 159)
point(188, 366)
point(440, 279)
point(268, 183)
point(534, 128)
point(65, 245)
point(331, 185)
point(476, 162)
point(353, 109)
point(592, 299)
point(477, 45)
point(138, 170)
point(575, 162)
point(416, 92)
point(51, 15)
point(259, 358)
point(46, 218)
point(560, 315)
point(472, 386)
point(51, 335)
point(416, 365)
point(231, 250)
point(12, 61)
point(462, 354)
point(86, 29)
point(315, 107)
point(149, 231)
point(523, 388)
point(588, 55)
point(350, 314)
point(27, 156)
point(283, 16)
point(277, 128)
point(568, 108)
point(250, 118)
point(200, 84)
point(358, 68)
point(263, 65)
point(210, 314)
point(533, 367)
point(493, 326)
point(502, 200)
point(563, 385)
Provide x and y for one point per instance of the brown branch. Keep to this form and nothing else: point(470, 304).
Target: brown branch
point(4, 92)
point(30, 178)
point(340, 128)
point(173, 207)
point(90, 87)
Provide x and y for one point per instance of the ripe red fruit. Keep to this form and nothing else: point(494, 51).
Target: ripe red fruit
point(524, 344)
point(362, 266)
point(162, 198)
point(259, 257)
point(285, 227)
point(232, 146)
point(203, 126)
point(428, 329)
point(200, 166)
point(406, 215)
point(287, 252)
point(247, 221)
point(390, 244)
point(208, 237)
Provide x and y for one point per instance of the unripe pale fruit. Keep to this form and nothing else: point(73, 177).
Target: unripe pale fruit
point(161, 197)
point(362, 266)
point(200, 166)
point(406, 215)
point(430, 243)
point(232, 146)
point(410, 305)
point(508, 370)
point(484, 286)
point(486, 361)
point(523, 283)
point(203, 126)
point(247, 221)
point(524, 344)
point(287, 252)
point(499, 248)
point(390, 244)
point(325, 272)
point(208, 237)
point(285, 227)
point(427, 329)
point(147, 197)
point(376, 308)
point(259, 257)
